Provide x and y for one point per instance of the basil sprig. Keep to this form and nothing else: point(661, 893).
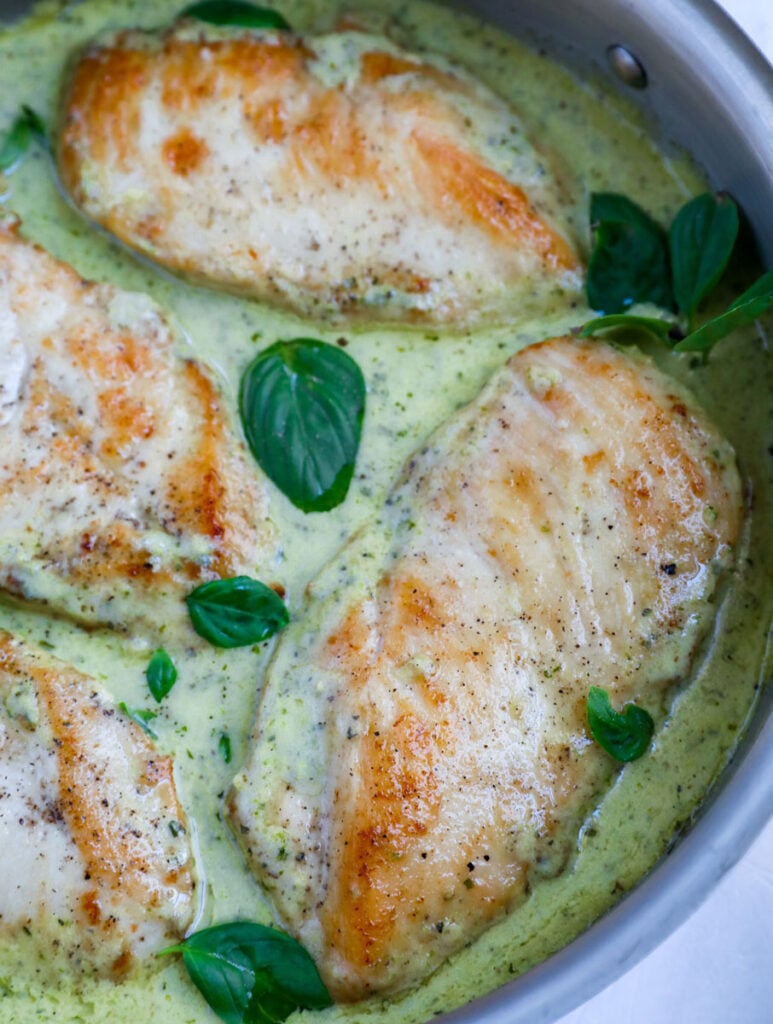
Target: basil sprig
point(14, 144)
point(236, 612)
point(701, 241)
point(625, 736)
point(237, 13)
point(302, 404)
point(141, 718)
point(629, 262)
point(161, 674)
point(251, 974)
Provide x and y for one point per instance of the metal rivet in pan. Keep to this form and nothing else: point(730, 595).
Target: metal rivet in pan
point(628, 68)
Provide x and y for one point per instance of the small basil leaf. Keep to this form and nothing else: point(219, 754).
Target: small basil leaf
point(236, 12)
point(628, 265)
point(625, 736)
point(141, 718)
point(236, 612)
point(745, 310)
point(224, 747)
point(618, 209)
point(251, 974)
point(701, 240)
point(16, 141)
point(161, 674)
point(302, 404)
point(660, 328)
point(629, 262)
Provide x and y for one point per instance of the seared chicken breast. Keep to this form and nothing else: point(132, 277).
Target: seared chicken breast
point(335, 174)
point(122, 483)
point(421, 749)
point(94, 853)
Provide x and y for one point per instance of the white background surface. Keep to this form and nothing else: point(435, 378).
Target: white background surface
point(718, 967)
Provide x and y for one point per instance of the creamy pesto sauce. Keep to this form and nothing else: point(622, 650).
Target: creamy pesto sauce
point(415, 380)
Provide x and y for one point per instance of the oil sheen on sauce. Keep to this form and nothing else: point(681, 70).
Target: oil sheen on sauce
point(607, 148)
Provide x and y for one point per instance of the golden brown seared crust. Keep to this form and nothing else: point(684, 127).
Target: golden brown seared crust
point(566, 529)
point(122, 483)
point(232, 158)
point(96, 860)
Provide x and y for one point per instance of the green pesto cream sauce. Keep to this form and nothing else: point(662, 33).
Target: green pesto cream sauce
point(607, 147)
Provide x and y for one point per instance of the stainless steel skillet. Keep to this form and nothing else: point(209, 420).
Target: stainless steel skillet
point(709, 88)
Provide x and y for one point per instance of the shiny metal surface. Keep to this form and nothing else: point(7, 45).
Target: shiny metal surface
point(627, 66)
point(709, 88)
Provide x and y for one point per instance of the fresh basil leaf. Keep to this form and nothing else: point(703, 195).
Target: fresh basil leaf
point(660, 328)
point(236, 12)
point(161, 674)
point(16, 141)
point(745, 310)
point(613, 207)
point(302, 404)
point(628, 265)
point(701, 241)
point(251, 974)
point(141, 718)
point(224, 747)
point(629, 262)
point(236, 612)
point(625, 736)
